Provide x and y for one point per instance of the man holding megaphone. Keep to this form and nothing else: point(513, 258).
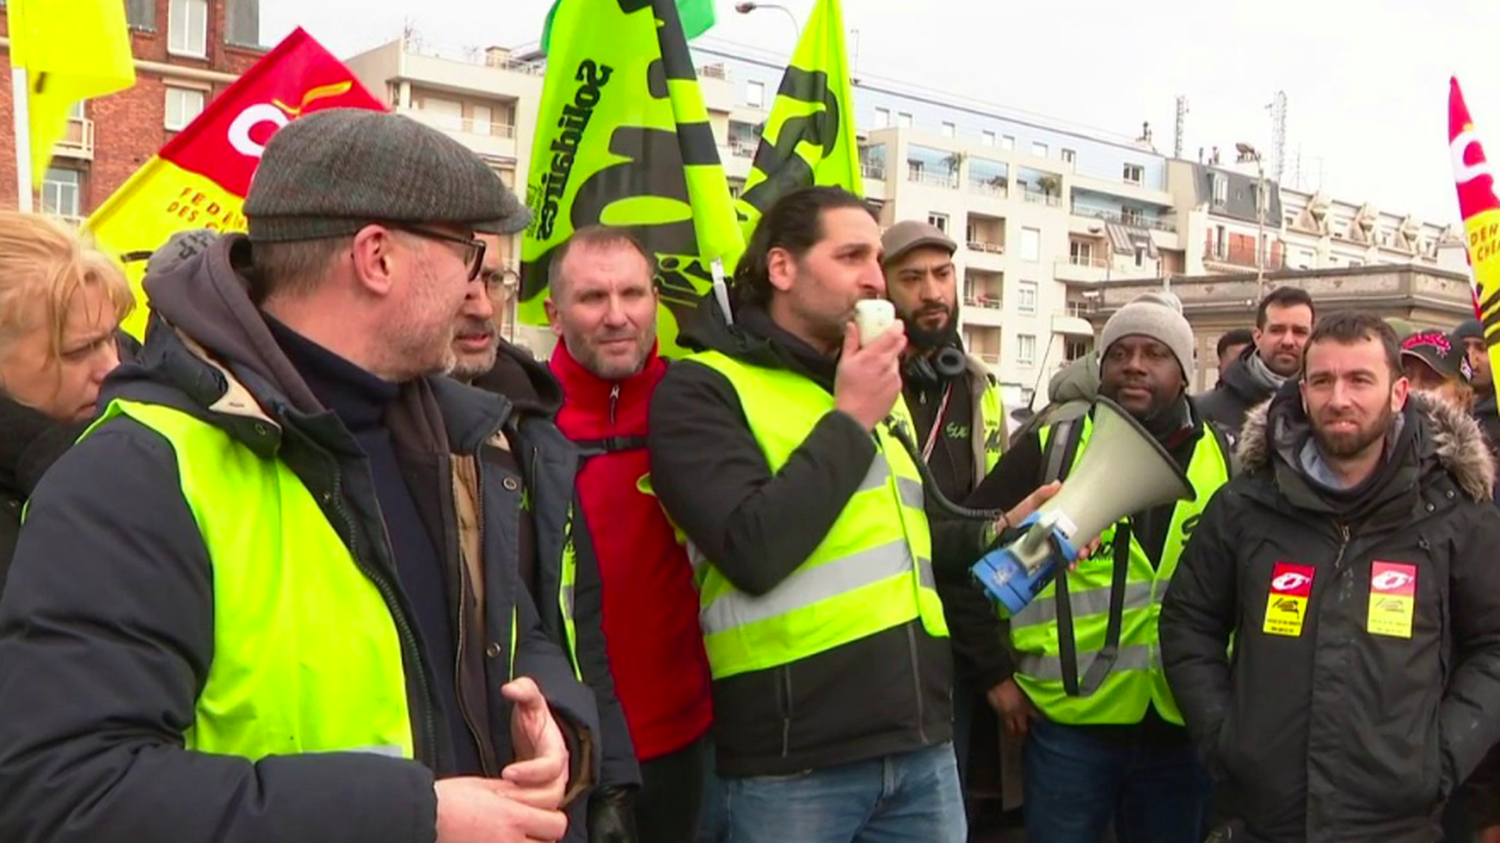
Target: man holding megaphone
point(1106, 742)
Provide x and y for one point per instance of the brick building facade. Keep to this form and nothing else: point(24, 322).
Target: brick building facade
point(186, 53)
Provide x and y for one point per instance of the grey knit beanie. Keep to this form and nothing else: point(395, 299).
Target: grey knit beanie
point(334, 171)
point(1158, 316)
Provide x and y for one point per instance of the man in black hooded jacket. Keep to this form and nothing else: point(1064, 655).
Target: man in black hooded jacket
point(1282, 322)
point(1351, 566)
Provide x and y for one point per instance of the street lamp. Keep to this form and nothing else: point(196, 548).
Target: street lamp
point(1250, 153)
point(748, 7)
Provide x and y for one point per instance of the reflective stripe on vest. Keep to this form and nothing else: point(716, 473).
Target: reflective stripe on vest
point(872, 572)
point(306, 657)
point(565, 595)
point(1137, 679)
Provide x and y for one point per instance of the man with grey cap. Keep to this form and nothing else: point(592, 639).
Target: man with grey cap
point(1105, 741)
point(960, 427)
point(272, 594)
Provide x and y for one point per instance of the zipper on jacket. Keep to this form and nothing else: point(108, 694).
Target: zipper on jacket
point(1338, 561)
point(786, 711)
point(404, 629)
point(614, 402)
point(916, 678)
point(487, 761)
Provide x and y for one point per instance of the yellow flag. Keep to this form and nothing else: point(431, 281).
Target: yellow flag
point(624, 140)
point(809, 138)
point(72, 51)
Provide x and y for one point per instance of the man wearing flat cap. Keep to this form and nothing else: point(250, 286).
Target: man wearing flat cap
point(272, 594)
point(960, 428)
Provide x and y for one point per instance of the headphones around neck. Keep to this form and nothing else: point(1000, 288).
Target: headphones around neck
point(935, 368)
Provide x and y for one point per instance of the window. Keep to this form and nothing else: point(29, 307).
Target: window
point(1356, 262)
point(1221, 242)
point(1081, 253)
point(187, 28)
point(1026, 300)
point(1068, 156)
point(1031, 244)
point(1039, 149)
point(75, 111)
point(903, 120)
point(882, 118)
point(481, 119)
point(987, 138)
point(1075, 349)
point(60, 192)
point(1134, 174)
point(1007, 142)
point(183, 105)
point(242, 22)
point(938, 221)
point(1140, 257)
point(1026, 349)
point(1132, 216)
point(140, 14)
point(1304, 259)
point(755, 94)
point(949, 130)
point(1221, 189)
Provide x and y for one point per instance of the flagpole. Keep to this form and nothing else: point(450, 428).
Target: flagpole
point(18, 90)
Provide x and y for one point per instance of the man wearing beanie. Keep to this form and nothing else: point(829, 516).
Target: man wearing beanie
point(272, 594)
point(1282, 324)
point(1106, 744)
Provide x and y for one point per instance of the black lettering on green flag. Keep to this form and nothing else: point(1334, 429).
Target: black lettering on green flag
point(624, 140)
point(809, 138)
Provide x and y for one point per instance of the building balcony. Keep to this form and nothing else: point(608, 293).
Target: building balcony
point(982, 310)
point(1237, 260)
point(1071, 326)
point(77, 141)
point(1081, 270)
point(919, 175)
point(741, 149)
point(872, 171)
point(1037, 197)
point(984, 187)
point(486, 138)
point(1108, 215)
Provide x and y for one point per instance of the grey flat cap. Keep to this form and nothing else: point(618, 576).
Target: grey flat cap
point(902, 237)
point(331, 172)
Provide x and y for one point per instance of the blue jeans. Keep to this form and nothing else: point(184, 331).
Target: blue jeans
point(908, 798)
point(1078, 783)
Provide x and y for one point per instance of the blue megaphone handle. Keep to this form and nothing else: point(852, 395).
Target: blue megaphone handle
point(1006, 579)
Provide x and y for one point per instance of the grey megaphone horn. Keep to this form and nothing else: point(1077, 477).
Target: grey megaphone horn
point(1123, 470)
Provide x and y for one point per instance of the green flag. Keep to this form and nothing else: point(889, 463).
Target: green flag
point(624, 140)
point(697, 17)
point(809, 138)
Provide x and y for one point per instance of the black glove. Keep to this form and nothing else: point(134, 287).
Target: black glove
point(612, 815)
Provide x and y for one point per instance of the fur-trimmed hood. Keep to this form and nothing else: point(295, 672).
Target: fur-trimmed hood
point(1455, 439)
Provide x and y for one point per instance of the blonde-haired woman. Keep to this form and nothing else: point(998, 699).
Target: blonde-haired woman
point(60, 305)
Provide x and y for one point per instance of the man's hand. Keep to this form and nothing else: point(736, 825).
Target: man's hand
point(869, 379)
point(474, 810)
point(1031, 504)
point(539, 775)
point(1014, 707)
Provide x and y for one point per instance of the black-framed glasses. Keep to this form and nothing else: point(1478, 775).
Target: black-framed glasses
point(473, 246)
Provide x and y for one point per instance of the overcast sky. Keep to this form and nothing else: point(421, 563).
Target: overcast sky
point(1366, 80)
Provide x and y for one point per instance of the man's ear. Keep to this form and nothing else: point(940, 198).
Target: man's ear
point(377, 259)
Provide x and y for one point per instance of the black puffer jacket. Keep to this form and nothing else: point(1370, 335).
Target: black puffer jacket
point(1328, 731)
point(1237, 393)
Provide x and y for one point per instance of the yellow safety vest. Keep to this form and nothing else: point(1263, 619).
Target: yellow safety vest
point(306, 654)
point(872, 572)
point(1137, 679)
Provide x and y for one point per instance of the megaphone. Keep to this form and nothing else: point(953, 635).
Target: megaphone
point(1123, 470)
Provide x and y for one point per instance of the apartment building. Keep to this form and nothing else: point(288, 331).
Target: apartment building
point(186, 52)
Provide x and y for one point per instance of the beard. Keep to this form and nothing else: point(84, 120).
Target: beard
point(1343, 444)
point(926, 339)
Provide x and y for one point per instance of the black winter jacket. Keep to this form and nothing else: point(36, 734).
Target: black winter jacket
point(107, 626)
point(1236, 394)
point(535, 393)
point(881, 695)
point(1329, 732)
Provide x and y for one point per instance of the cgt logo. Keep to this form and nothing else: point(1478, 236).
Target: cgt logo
point(1465, 172)
point(277, 114)
point(1290, 581)
point(1391, 580)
